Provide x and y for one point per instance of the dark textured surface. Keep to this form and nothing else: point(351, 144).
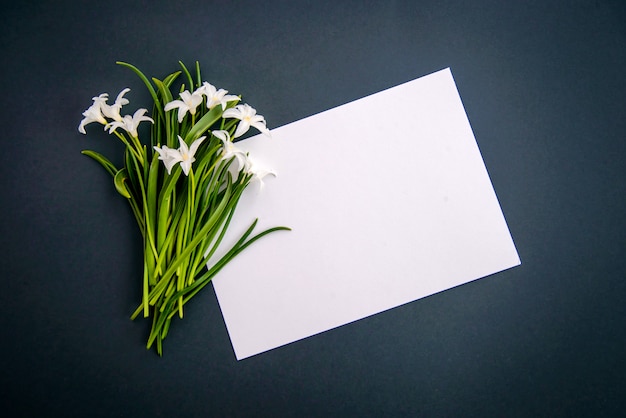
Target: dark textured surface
point(543, 85)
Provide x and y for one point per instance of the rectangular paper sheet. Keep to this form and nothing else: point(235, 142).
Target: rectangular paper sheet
point(389, 201)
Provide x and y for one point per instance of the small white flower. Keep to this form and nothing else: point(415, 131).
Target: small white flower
point(245, 164)
point(230, 150)
point(187, 154)
point(188, 103)
point(183, 155)
point(215, 97)
point(248, 117)
point(258, 173)
point(94, 113)
point(113, 111)
point(168, 156)
point(129, 123)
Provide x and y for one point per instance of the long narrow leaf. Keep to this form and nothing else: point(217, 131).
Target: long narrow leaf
point(186, 71)
point(120, 177)
point(203, 124)
point(104, 162)
point(146, 82)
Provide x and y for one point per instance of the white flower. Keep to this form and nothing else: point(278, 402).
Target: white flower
point(94, 113)
point(248, 117)
point(129, 123)
point(100, 110)
point(215, 97)
point(183, 155)
point(189, 103)
point(187, 154)
point(258, 173)
point(167, 155)
point(230, 150)
point(245, 164)
point(113, 111)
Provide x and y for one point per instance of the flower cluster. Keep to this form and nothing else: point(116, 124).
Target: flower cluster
point(189, 102)
point(184, 205)
point(99, 111)
point(183, 155)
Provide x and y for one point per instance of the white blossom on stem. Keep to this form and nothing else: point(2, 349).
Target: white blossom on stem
point(248, 117)
point(113, 111)
point(94, 113)
point(188, 103)
point(183, 155)
point(129, 123)
point(258, 172)
point(244, 162)
point(167, 155)
point(230, 150)
point(215, 96)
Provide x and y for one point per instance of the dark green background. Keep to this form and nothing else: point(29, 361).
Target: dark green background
point(543, 84)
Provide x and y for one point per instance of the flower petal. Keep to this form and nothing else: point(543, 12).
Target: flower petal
point(183, 145)
point(242, 128)
point(232, 113)
point(262, 128)
point(173, 105)
point(194, 145)
point(186, 166)
point(222, 135)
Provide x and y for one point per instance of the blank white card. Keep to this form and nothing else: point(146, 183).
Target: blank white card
point(389, 201)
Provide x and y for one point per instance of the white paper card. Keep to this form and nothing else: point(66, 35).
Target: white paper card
point(389, 201)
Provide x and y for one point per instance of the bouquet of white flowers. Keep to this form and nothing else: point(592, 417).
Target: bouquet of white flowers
point(183, 186)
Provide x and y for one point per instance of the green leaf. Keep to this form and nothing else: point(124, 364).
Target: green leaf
point(170, 78)
point(164, 90)
point(146, 82)
point(118, 180)
point(203, 124)
point(108, 165)
point(151, 197)
point(182, 256)
point(188, 75)
point(199, 79)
